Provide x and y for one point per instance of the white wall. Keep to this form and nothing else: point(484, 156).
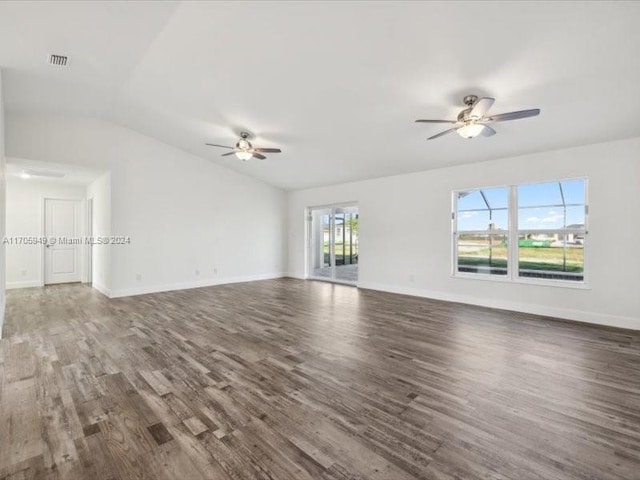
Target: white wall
point(25, 218)
point(183, 213)
point(99, 192)
point(2, 206)
point(405, 232)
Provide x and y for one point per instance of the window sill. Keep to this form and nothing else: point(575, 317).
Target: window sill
point(525, 281)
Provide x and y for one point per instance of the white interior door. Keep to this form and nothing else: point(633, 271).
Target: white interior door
point(62, 221)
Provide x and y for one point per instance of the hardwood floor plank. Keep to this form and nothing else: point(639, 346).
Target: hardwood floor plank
point(20, 423)
point(160, 433)
point(19, 363)
point(29, 469)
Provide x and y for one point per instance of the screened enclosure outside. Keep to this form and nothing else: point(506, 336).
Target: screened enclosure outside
point(552, 230)
point(333, 243)
point(549, 239)
point(482, 231)
point(345, 238)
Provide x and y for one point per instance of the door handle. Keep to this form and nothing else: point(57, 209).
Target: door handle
point(48, 246)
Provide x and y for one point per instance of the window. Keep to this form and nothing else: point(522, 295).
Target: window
point(551, 230)
point(533, 232)
point(483, 219)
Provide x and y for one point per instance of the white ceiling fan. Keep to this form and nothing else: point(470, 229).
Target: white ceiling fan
point(244, 150)
point(473, 120)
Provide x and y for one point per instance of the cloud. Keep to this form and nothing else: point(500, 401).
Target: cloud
point(552, 218)
point(468, 214)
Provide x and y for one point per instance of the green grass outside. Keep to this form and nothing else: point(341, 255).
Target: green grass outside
point(531, 258)
point(342, 248)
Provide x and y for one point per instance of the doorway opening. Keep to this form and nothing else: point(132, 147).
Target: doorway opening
point(54, 213)
point(333, 243)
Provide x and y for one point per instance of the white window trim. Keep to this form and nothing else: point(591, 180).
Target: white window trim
point(513, 274)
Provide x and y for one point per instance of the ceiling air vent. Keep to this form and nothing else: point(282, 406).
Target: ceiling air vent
point(58, 60)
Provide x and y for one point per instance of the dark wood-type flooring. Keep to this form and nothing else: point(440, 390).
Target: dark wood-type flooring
point(287, 379)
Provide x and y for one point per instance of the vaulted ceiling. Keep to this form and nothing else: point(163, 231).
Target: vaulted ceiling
point(336, 85)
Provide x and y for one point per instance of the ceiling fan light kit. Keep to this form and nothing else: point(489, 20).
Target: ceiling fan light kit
point(244, 156)
point(473, 120)
point(470, 130)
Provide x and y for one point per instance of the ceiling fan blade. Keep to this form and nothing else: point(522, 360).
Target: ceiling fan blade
point(481, 107)
point(436, 121)
point(258, 156)
point(227, 154)
point(214, 145)
point(487, 131)
point(443, 133)
point(267, 150)
point(502, 117)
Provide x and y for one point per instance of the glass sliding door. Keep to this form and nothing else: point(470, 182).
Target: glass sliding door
point(345, 250)
point(320, 264)
point(333, 243)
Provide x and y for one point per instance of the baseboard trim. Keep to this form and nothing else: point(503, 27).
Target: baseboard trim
point(26, 284)
point(102, 289)
point(295, 275)
point(562, 313)
point(130, 292)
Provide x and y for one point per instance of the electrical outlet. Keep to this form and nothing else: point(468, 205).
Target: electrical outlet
point(138, 276)
point(197, 272)
point(23, 273)
point(215, 271)
point(412, 278)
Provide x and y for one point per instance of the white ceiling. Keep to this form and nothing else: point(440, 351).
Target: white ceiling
point(336, 85)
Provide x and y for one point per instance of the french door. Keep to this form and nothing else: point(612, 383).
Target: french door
point(333, 243)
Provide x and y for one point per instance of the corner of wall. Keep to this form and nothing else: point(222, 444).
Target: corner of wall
point(2, 209)
point(100, 191)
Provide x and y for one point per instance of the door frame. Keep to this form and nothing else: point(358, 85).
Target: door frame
point(88, 270)
point(307, 247)
point(43, 232)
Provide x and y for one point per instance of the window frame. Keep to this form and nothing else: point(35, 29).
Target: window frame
point(513, 233)
point(487, 231)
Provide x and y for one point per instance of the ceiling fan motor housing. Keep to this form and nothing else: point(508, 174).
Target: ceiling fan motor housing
point(243, 144)
point(465, 115)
